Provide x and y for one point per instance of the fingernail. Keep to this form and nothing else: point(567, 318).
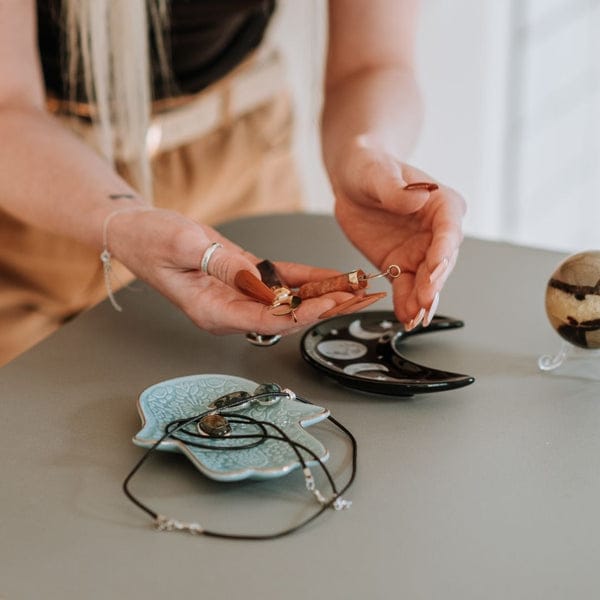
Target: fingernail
point(366, 301)
point(250, 285)
point(414, 322)
point(422, 185)
point(353, 305)
point(419, 317)
point(432, 309)
point(439, 270)
point(339, 308)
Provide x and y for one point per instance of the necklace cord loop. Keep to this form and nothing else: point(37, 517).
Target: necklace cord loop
point(336, 502)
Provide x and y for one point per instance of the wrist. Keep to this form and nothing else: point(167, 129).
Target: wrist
point(112, 244)
point(352, 160)
point(116, 225)
point(119, 204)
point(382, 104)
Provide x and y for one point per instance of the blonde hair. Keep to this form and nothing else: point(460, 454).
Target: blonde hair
point(107, 44)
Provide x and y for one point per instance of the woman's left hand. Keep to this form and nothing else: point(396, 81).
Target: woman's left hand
point(418, 230)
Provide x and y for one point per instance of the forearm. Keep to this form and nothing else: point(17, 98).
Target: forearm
point(370, 88)
point(382, 103)
point(50, 179)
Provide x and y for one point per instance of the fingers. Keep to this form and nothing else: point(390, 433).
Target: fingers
point(390, 185)
point(353, 304)
point(223, 260)
point(224, 264)
point(195, 268)
point(406, 305)
point(181, 243)
point(417, 295)
point(379, 180)
point(226, 261)
point(442, 253)
point(257, 314)
point(241, 314)
point(443, 217)
point(446, 213)
point(439, 275)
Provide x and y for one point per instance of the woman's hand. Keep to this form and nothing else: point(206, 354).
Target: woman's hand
point(165, 249)
point(416, 229)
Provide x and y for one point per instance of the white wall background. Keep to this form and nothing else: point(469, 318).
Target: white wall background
point(511, 89)
point(462, 70)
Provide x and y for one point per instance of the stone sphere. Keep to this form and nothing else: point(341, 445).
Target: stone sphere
point(573, 299)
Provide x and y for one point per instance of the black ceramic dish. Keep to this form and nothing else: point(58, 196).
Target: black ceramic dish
point(362, 351)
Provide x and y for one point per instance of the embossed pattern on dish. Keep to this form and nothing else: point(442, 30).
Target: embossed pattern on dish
point(187, 396)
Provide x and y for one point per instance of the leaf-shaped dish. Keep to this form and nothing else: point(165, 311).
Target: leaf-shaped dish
point(185, 397)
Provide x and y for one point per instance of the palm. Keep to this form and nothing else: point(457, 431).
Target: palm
point(164, 250)
point(384, 237)
point(416, 230)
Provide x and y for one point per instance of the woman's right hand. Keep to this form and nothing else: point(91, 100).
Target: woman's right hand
point(164, 249)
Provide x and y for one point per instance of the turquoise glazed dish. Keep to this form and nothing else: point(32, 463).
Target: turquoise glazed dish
point(185, 397)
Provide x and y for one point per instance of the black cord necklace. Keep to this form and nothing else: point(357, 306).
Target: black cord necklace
point(215, 424)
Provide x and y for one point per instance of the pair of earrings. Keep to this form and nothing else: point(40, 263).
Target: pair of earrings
point(271, 290)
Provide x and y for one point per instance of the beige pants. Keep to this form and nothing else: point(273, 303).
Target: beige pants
point(243, 167)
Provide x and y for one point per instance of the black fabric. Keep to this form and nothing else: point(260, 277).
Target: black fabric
point(206, 40)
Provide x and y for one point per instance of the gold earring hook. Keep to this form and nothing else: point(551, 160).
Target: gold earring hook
point(392, 271)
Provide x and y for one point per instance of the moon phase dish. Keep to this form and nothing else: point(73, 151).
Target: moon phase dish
point(363, 351)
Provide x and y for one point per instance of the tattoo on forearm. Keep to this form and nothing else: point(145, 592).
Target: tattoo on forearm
point(119, 196)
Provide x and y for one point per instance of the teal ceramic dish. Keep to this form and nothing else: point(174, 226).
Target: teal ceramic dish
point(185, 397)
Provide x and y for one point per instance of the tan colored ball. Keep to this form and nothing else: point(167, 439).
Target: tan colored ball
point(573, 299)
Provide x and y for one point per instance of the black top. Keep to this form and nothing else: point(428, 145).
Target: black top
point(206, 40)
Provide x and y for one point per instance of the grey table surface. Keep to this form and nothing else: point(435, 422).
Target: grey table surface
point(489, 491)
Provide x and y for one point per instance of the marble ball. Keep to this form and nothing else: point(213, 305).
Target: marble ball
point(573, 299)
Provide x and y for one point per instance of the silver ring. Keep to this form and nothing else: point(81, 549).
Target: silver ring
point(258, 339)
point(207, 255)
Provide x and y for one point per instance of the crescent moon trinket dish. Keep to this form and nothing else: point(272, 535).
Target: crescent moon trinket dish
point(363, 351)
